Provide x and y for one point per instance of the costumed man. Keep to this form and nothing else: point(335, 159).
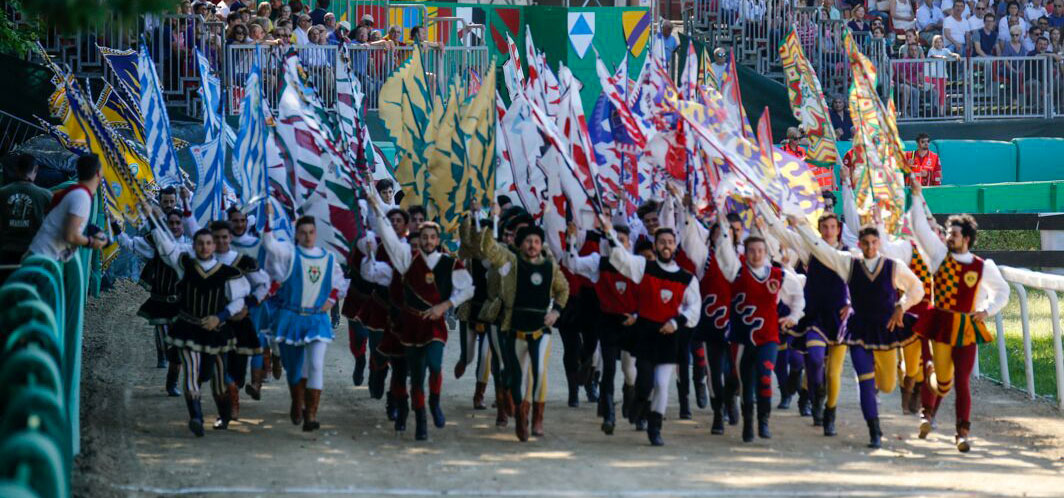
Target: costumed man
point(244, 329)
point(881, 291)
point(967, 291)
point(211, 292)
point(161, 281)
point(668, 299)
point(476, 332)
point(311, 282)
point(758, 288)
point(260, 311)
point(577, 327)
point(616, 296)
point(534, 291)
point(432, 283)
point(827, 306)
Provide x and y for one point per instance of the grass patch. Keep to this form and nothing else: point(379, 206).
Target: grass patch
point(1009, 240)
point(1041, 326)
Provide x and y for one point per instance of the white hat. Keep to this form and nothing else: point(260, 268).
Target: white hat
point(367, 18)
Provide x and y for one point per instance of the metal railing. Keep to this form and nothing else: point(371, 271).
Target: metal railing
point(14, 131)
point(1021, 280)
point(929, 89)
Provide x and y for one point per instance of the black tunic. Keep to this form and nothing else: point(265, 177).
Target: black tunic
point(533, 294)
point(202, 295)
point(243, 330)
point(161, 281)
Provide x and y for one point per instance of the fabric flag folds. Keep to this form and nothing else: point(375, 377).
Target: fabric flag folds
point(807, 102)
point(208, 200)
point(405, 105)
point(158, 142)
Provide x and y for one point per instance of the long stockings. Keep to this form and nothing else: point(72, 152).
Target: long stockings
point(529, 353)
point(610, 331)
point(304, 362)
point(197, 367)
point(864, 364)
point(954, 365)
point(815, 352)
point(236, 369)
point(652, 383)
point(755, 372)
point(717, 355)
point(788, 361)
point(836, 357)
point(420, 359)
point(628, 368)
point(358, 336)
point(500, 346)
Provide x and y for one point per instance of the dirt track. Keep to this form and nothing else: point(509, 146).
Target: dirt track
point(135, 442)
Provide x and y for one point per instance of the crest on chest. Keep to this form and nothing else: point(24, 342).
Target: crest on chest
point(314, 273)
point(773, 285)
point(666, 295)
point(621, 286)
point(536, 278)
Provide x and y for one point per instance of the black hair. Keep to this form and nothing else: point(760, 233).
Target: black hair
point(622, 229)
point(664, 231)
point(969, 227)
point(646, 208)
point(416, 30)
point(305, 220)
point(417, 209)
point(383, 183)
point(868, 230)
point(171, 190)
point(25, 164)
point(174, 212)
point(88, 167)
point(643, 245)
point(400, 212)
point(201, 232)
point(827, 194)
point(827, 215)
point(221, 225)
point(526, 231)
point(502, 200)
point(520, 219)
point(487, 223)
point(733, 218)
point(753, 239)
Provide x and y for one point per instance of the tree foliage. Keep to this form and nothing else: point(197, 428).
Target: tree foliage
point(23, 20)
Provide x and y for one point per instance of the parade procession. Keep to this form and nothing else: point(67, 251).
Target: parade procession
point(528, 233)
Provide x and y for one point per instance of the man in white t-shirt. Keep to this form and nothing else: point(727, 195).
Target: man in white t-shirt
point(955, 28)
point(62, 231)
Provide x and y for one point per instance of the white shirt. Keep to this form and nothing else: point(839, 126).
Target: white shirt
point(974, 24)
point(953, 30)
point(50, 240)
point(993, 293)
point(258, 279)
point(841, 262)
point(634, 267)
point(927, 16)
point(1003, 28)
point(141, 247)
point(402, 257)
point(281, 255)
point(1033, 14)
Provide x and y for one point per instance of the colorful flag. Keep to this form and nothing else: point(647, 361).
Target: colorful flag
point(249, 149)
point(478, 128)
point(158, 142)
point(118, 113)
point(807, 102)
point(124, 65)
point(636, 27)
point(406, 107)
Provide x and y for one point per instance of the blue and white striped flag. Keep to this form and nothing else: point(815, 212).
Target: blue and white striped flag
point(158, 143)
point(208, 202)
point(249, 150)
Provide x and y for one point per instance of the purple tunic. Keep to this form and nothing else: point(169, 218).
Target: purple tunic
point(873, 297)
point(826, 295)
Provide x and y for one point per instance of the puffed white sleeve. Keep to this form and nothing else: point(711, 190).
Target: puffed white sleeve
point(138, 245)
point(627, 264)
point(895, 247)
point(693, 237)
point(792, 295)
point(260, 284)
point(169, 250)
point(462, 283)
point(910, 285)
point(851, 220)
point(585, 266)
point(279, 256)
point(778, 228)
point(727, 257)
point(690, 307)
point(236, 290)
point(398, 251)
point(925, 236)
point(841, 262)
point(340, 283)
point(375, 271)
point(993, 290)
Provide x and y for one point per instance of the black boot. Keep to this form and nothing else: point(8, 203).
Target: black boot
point(685, 407)
point(875, 436)
point(609, 420)
point(626, 400)
point(591, 388)
point(764, 408)
point(195, 416)
point(748, 423)
point(638, 414)
point(389, 406)
point(701, 392)
point(654, 429)
point(172, 376)
point(805, 405)
point(574, 390)
point(718, 417)
point(376, 382)
point(402, 411)
point(421, 425)
point(437, 413)
point(818, 409)
point(829, 421)
point(224, 412)
point(360, 370)
point(731, 410)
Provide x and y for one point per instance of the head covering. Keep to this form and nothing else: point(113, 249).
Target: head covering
point(367, 18)
point(527, 230)
point(344, 24)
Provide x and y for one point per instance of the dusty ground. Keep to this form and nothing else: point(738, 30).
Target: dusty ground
point(135, 442)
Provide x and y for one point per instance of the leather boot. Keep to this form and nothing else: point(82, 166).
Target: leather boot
point(764, 409)
point(635, 412)
point(267, 362)
point(732, 410)
point(389, 406)
point(195, 416)
point(591, 388)
point(964, 445)
point(522, 421)
point(685, 407)
point(508, 406)
point(537, 418)
point(927, 421)
point(875, 435)
point(654, 429)
point(748, 423)
point(790, 386)
point(275, 365)
point(829, 421)
point(437, 413)
point(478, 396)
point(402, 411)
point(298, 392)
point(501, 420)
point(914, 399)
point(609, 420)
point(818, 409)
point(421, 425)
point(310, 419)
point(906, 394)
point(459, 368)
point(805, 405)
point(359, 374)
point(701, 391)
point(626, 400)
point(376, 382)
point(254, 388)
point(173, 373)
point(234, 400)
point(574, 390)
point(718, 416)
point(225, 413)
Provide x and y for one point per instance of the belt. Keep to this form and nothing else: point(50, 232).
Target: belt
point(189, 318)
point(533, 335)
point(303, 311)
point(166, 298)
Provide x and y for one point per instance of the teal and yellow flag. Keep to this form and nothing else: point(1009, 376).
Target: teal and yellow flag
point(807, 102)
point(406, 107)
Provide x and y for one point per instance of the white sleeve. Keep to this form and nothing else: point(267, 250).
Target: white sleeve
point(906, 281)
point(841, 262)
point(138, 245)
point(398, 250)
point(340, 283)
point(462, 283)
point(190, 224)
point(169, 250)
point(727, 258)
point(235, 291)
point(693, 238)
point(850, 218)
point(781, 232)
point(925, 236)
point(894, 247)
point(585, 266)
point(627, 264)
point(791, 294)
point(993, 290)
point(260, 284)
point(691, 307)
point(375, 271)
point(279, 256)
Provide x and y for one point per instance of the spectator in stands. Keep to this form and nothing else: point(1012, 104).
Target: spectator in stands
point(395, 36)
point(339, 35)
point(22, 206)
point(1033, 34)
point(1056, 19)
point(955, 29)
point(830, 11)
point(302, 29)
point(417, 37)
point(902, 15)
point(200, 9)
point(282, 32)
point(937, 72)
point(924, 164)
point(284, 15)
point(909, 76)
point(330, 22)
point(879, 8)
point(263, 14)
point(1012, 72)
point(185, 8)
point(317, 16)
point(367, 21)
point(275, 9)
point(1036, 71)
point(298, 7)
point(232, 19)
point(1012, 16)
point(975, 21)
point(986, 41)
point(668, 41)
point(929, 19)
point(238, 35)
point(911, 38)
point(719, 64)
point(1054, 40)
point(66, 226)
point(1035, 11)
point(858, 20)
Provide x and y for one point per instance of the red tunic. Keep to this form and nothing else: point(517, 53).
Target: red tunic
point(716, 296)
point(374, 311)
point(754, 304)
point(616, 293)
point(926, 169)
point(359, 291)
point(660, 293)
point(956, 288)
point(424, 288)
